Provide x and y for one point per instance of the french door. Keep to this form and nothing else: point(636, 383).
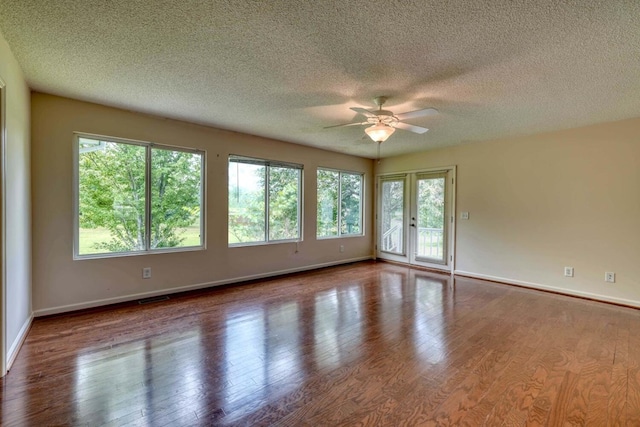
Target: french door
point(415, 218)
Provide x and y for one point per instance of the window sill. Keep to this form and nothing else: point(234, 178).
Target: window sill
point(344, 236)
point(138, 253)
point(274, 242)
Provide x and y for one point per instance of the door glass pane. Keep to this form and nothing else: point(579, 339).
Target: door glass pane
point(392, 216)
point(431, 218)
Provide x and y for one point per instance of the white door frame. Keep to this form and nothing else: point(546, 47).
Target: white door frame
point(3, 231)
point(409, 182)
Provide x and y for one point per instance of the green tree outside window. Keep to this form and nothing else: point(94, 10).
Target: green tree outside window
point(113, 184)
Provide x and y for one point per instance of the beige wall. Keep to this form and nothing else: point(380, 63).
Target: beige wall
point(537, 204)
point(60, 283)
point(18, 201)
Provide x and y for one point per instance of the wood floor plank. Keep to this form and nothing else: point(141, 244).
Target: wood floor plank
point(558, 412)
point(632, 403)
point(617, 392)
point(497, 396)
point(364, 344)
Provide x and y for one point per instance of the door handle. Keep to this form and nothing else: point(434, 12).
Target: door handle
point(413, 225)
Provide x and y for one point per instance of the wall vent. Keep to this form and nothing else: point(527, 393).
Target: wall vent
point(152, 299)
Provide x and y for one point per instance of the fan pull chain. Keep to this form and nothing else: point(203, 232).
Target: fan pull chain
point(379, 144)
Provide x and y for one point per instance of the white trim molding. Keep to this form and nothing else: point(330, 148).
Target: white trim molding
point(17, 343)
point(238, 280)
point(541, 287)
point(3, 230)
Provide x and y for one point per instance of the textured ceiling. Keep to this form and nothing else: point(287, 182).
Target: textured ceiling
point(286, 69)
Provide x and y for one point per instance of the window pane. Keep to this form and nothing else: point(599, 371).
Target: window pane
point(351, 203)
point(284, 195)
point(246, 203)
point(175, 198)
point(327, 218)
point(111, 197)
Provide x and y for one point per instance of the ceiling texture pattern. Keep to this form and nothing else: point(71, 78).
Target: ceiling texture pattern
point(286, 69)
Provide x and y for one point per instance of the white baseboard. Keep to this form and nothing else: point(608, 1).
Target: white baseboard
point(17, 343)
point(133, 297)
point(570, 292)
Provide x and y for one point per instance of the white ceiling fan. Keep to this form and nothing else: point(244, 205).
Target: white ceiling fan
point(384, 122)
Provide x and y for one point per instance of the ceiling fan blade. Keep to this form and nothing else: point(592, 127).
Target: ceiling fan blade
point(363, 111)
point(346, 124)
point(417, 113)
point(411, 128)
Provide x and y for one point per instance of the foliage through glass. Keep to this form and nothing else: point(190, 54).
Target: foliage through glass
point(264, 201)
point(339, 208)
point(112, 191)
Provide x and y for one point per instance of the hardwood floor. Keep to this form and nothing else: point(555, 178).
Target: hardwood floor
point(363, 344)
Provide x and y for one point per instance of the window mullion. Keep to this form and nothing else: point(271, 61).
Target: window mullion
point(147, 202)
point(300, 205)
point(339, 201)
point(266, 202)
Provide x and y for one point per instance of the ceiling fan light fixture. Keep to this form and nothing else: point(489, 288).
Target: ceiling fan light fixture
point(379, 132)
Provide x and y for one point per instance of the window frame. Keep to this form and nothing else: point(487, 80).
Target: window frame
point(267, 163)
point(341, 235)
point(148, 214)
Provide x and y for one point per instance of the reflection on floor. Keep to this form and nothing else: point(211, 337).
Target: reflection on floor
point(368, 343)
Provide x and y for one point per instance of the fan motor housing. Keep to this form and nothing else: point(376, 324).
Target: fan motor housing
point(383, 116)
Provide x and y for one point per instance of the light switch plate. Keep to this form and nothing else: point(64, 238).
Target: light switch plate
point(464, 215)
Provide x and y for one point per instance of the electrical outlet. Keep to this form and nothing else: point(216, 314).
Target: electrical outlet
point(341, 248)
point(568, 271)
point(146, 273)
point(610, 277)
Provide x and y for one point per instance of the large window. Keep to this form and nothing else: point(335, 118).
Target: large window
point(339, 203)
point(134, 197)
point(264, 201)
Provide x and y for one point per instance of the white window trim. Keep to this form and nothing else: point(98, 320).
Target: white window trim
point(148, 145)
point(269, 163)
point(362, 192)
